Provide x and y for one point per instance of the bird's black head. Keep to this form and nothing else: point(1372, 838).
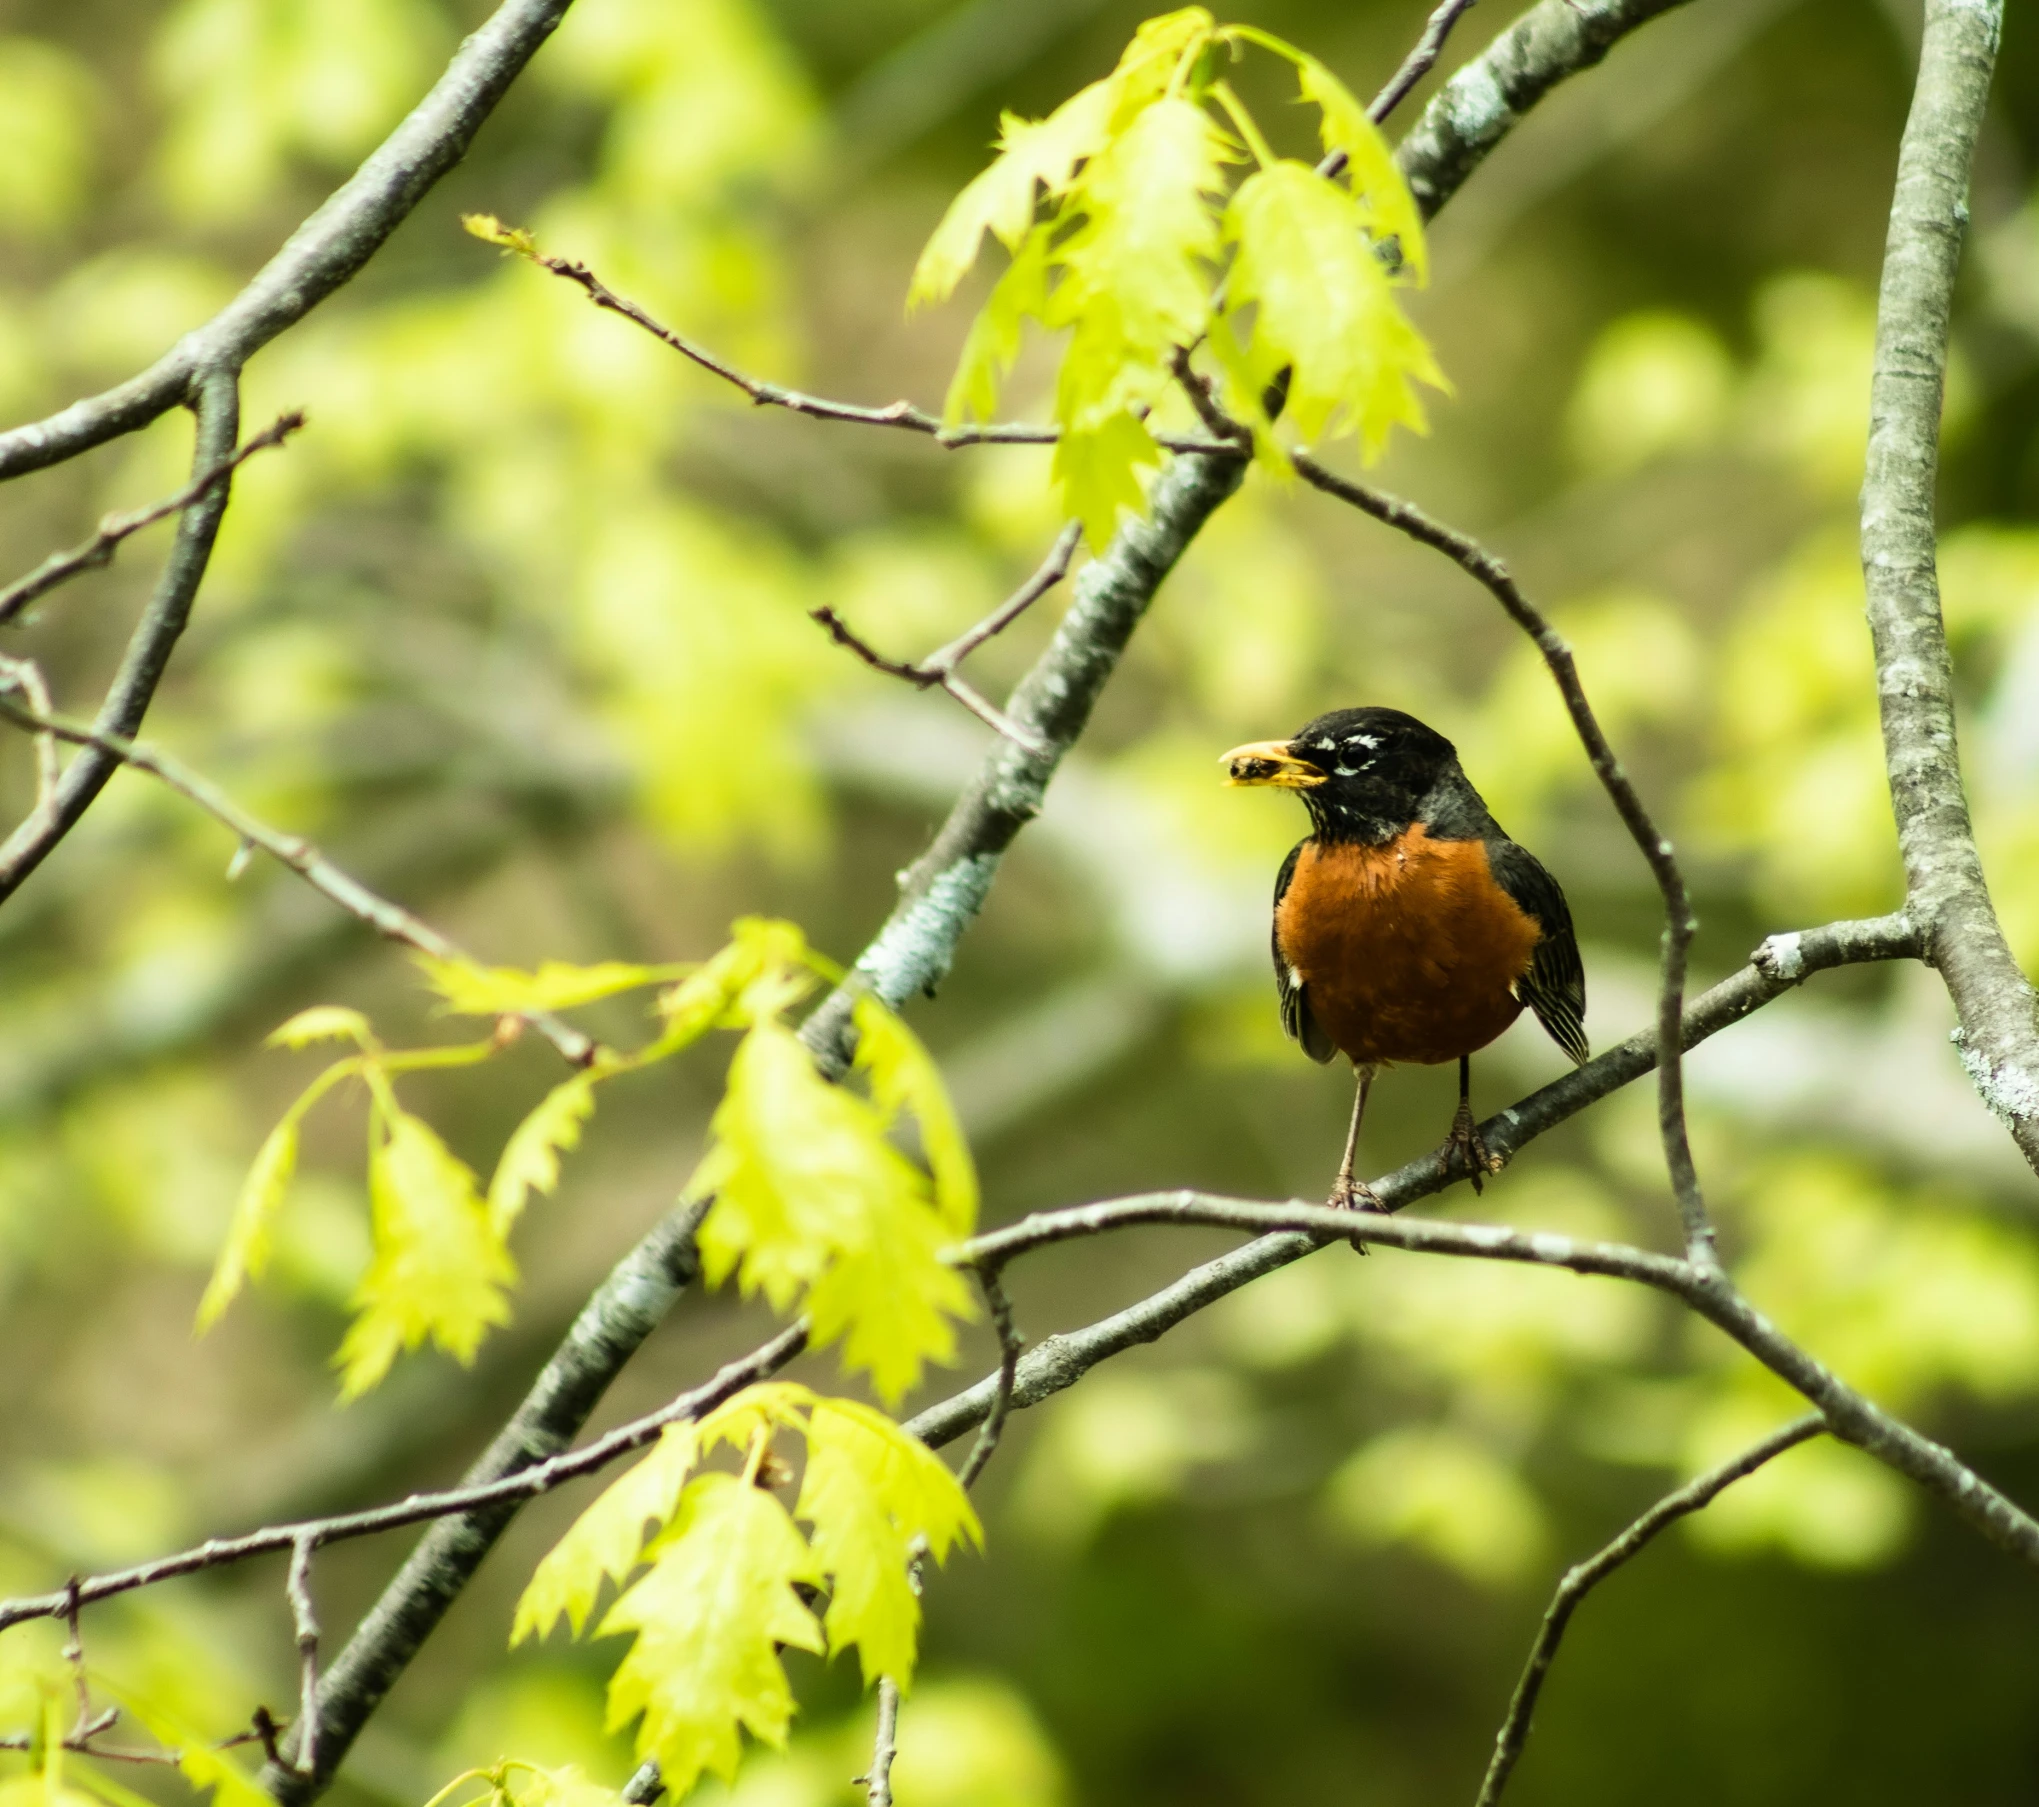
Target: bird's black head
point(1366, 775)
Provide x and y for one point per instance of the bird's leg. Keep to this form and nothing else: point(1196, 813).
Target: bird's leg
point(1464, 1143)
point(1348, 1193)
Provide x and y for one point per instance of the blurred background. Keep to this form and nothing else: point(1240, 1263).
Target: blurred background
point(516, 628)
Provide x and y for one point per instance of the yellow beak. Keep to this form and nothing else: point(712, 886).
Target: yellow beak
point(1270, 762)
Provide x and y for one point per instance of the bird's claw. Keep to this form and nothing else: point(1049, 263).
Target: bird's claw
point(1349, 1194)
point(1465, 1149)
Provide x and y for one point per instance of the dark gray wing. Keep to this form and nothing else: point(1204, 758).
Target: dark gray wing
point(1555, 985)
point(1295, 1003)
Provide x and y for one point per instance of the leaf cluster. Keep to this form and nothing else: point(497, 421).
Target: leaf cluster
point(814, 1202)
point(730, 1580)
point(1125, 229)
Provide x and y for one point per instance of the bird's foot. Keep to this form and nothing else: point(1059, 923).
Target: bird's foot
point(1349, 1194)
point(1465, 1150)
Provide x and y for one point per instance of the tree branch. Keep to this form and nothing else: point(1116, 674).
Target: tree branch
point(1580, 1580)
point(903, 415)
point(1486, 99)
point(320, 255)
point(1944, 884)
point(939, 667)
point(1010, 1347)
point(1705, 1288)
point(379, 913)
point(148, 649)
point(1679, 921)
point(469, 1500)
point(1782, 962)
point(61, 567)
point(1416, 65)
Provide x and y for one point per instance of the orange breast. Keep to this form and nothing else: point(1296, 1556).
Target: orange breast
point(1407, 951)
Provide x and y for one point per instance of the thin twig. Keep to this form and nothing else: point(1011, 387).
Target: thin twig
point(884, 1746)
point(526, 1483)
point(26, 676)
point(1418, 63)
point(938, 669)
point(378, 912)
point(900, 414)
point(1679, 922)
point(74, 1658)
point(1582, 1579)
point(304, 1617)
point(61, 567)
point(1010, 1347)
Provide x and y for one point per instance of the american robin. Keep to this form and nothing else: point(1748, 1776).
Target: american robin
point(1408, 927)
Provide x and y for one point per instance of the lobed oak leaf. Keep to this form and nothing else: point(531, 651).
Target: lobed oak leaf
point(797, 1167)
point(890, 1296)
point(607, 1540)
point(438, 1270)
point(530, 1159)
point(1324, 311)
point(993, 342)
point(904, 1076)
point(1386, 207)
point(871, 1492)
point(246, 1252)
point(710, 1617)
point(470, 989)
point(1032, 153)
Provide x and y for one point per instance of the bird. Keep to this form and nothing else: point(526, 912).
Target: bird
point(1408, 927)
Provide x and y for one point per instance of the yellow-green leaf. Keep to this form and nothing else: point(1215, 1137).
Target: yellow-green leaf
point(473, 990)
point(870, 1491)
point(1385, 204)
point(492, 231)
point(438, 1271)
point(891, 1297)
point(530, 1158)
point(1001, 199)
point(993, 341)
point(904, 1076)
point(605, 1542)
point(322, 1023)
point(812, 1197)
point(1095, 469)
point(710, 1618)
point(797, 1168)
point(766, 967)
point(1135, 284)
point(246, 1252)
point(1323, 309)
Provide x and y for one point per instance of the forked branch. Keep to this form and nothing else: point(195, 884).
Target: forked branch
point(1580, 1580)
point(938, 669)
point(61, 567)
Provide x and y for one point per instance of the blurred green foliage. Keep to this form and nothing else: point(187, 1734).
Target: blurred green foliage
point(517, 627)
